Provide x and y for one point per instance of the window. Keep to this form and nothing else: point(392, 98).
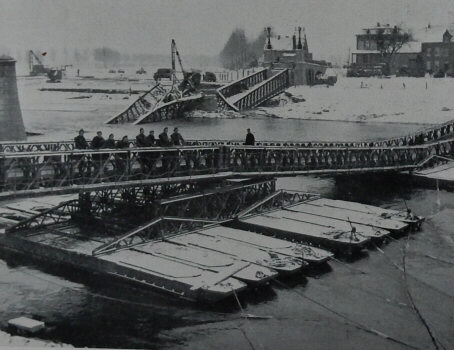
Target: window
point(365, 59)
point(428, 65)
point(437, 51)
point(428, 51)
point(437, 64)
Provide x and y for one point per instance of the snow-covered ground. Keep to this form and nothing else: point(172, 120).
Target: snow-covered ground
point(394, 100)
point(8, 340)
point(406, 101)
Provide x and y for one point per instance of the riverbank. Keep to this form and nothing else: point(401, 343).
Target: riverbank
point(8, 340)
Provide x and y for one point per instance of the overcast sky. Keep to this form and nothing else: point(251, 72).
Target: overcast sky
point(201, 26)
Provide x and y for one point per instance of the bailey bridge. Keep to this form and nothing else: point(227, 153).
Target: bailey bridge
point(28, 168)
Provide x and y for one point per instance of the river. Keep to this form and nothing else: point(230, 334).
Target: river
point(361, 304)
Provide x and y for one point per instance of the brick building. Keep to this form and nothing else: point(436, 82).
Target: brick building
point(431, 50)
point(293, 53)
point(439, 55)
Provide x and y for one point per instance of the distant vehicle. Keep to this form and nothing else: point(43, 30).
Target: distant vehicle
point(162, 73)
point(121, 71)
point(439, 74)
point(141, 71)
point(410, 72)
point(112, 71)
point(209, 76)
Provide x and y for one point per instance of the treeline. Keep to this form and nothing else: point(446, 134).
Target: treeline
point(239, 53)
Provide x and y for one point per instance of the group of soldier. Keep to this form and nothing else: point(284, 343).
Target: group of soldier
point(142, 140)
point(147, 159)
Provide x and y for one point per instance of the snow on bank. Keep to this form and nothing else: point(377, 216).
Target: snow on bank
point(8, 340)
point(394, 100)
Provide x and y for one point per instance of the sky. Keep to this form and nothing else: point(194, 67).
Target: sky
point(201, 26)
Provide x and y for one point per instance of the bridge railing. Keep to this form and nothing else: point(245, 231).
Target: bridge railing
point(238, 86)
point(426, 136)
point(25, 171)
point(264, 91)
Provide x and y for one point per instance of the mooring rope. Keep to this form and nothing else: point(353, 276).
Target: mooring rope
point(410, 275)
point(349, 320)
point(410, 297)
point(240, 327)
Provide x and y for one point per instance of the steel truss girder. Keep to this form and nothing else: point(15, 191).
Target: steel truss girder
point(164, 226)
point(192, 199)
point(26, 171)
point(158, 228)
point(56, 215)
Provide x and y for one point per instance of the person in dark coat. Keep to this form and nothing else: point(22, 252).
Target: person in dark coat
point(110, 142)
point(250, 139)
point(164, 141)
point(80, 142)
point(141, 139)
point(121, 158)
point(152, 156)
point(164, 138)
point(151, 141)
point(97, 141)
point(123, 143)
point(176, 138)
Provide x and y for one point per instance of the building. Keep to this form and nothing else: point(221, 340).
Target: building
point(293, 53)
point(368, 58)
point(439, 55)
point(431, 50)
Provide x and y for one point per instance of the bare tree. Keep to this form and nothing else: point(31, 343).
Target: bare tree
point(389, 42)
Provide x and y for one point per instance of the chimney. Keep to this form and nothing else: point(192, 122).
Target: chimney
point(294, 42)
point(10, 113)
point(300, 46)
point(268, 45)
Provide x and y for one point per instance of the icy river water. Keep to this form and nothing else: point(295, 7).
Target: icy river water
point(367, 303)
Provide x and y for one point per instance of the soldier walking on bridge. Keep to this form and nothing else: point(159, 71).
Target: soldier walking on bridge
point(141, 141)
point(164, 138)
point(176, 137)
point(164, 141)
point(151, 141)
point(122, 158)
point(151, 157)
point(81, 143)
point(97, 143)
point(250, 139)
